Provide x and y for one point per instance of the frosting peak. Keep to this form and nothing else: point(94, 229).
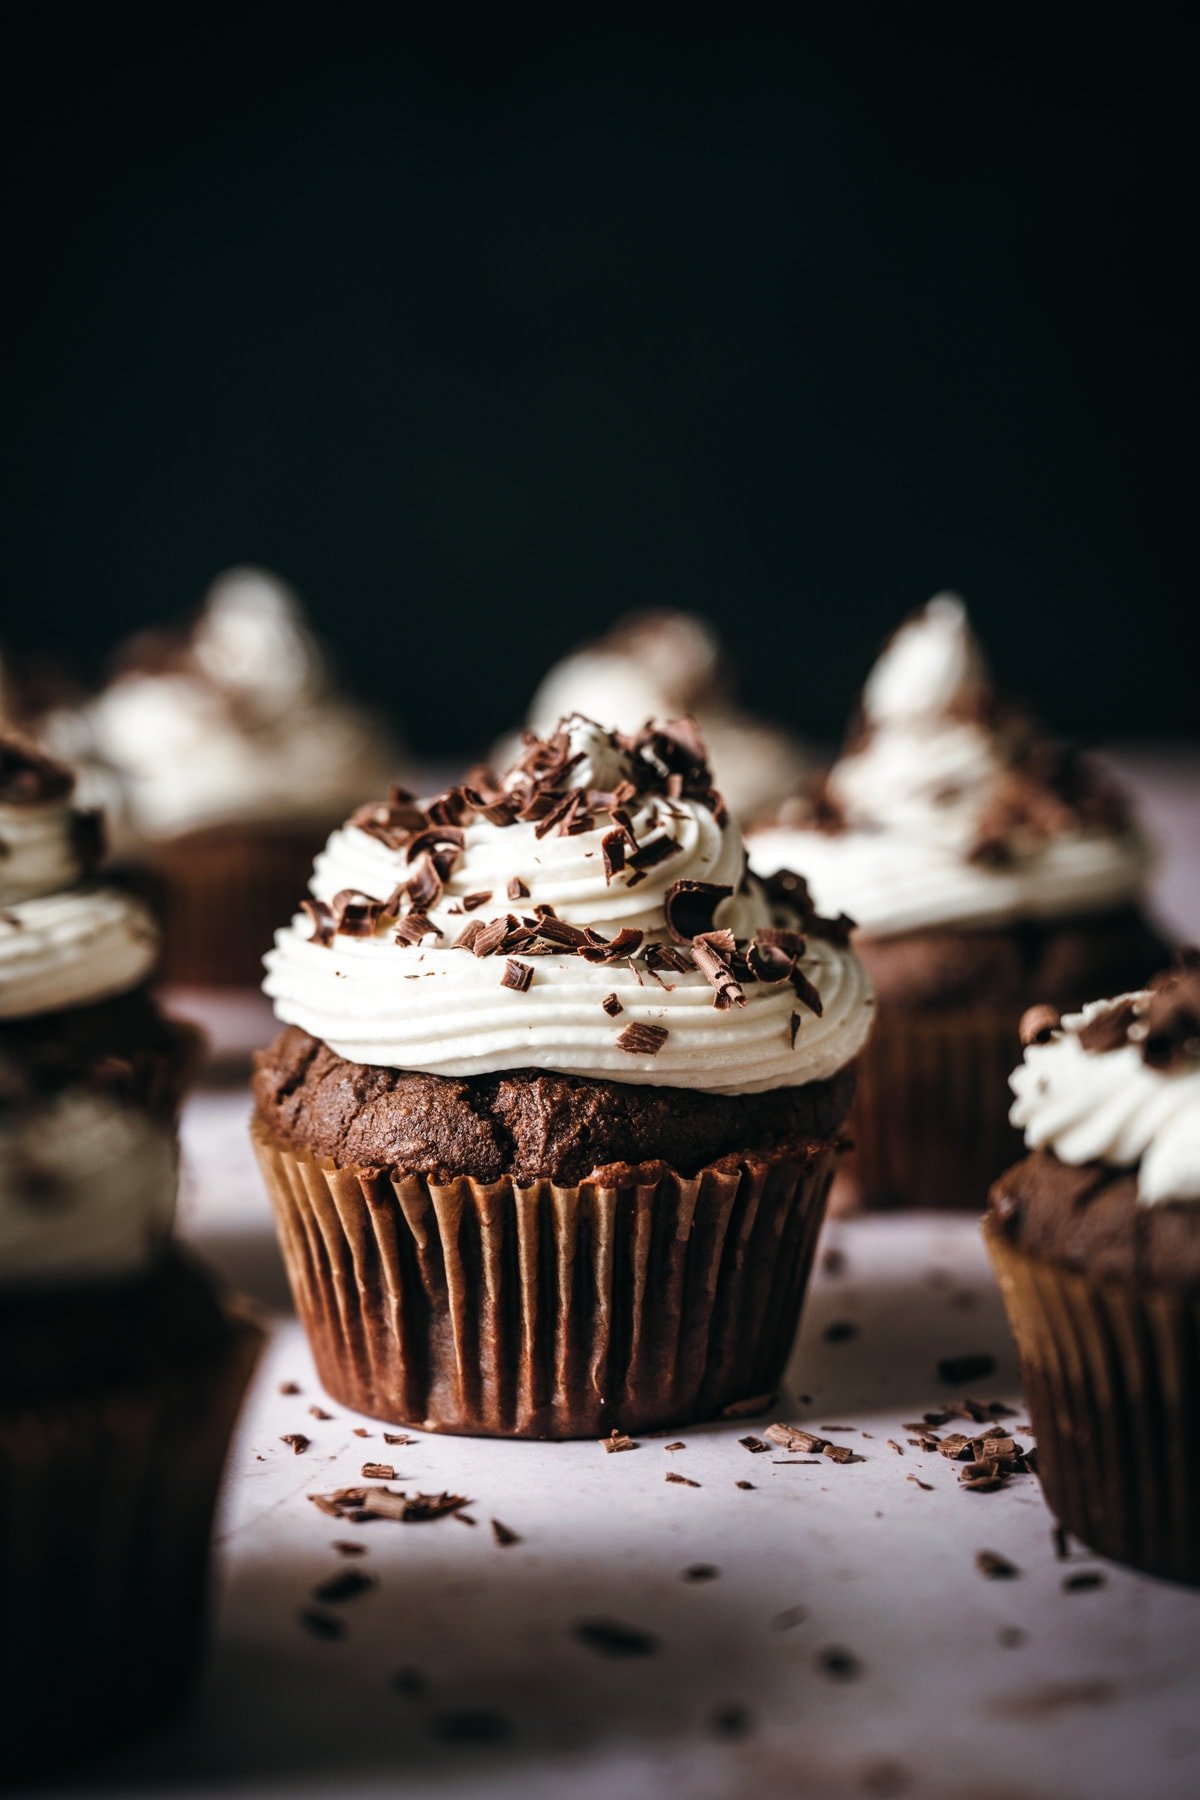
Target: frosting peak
point(589, 911)
point(948, 808)
point(1119, 1084)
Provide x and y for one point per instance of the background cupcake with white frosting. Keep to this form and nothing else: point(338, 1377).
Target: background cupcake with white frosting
point(1095, 1238)
point(120, 1372)
point(665, 664)
point(551, 1126)
point(986, 867)
point(233, 753)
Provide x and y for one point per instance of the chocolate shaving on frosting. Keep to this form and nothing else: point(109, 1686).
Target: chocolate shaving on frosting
point(642, 1040)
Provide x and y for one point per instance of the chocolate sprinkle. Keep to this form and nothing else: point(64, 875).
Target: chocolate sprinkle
point(642, 1040)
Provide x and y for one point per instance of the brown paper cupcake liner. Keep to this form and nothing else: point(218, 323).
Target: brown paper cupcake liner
point(106, 1506)
point(224, 892)
point(1111, 1373)
point(534, 1310)
point(930, 1115)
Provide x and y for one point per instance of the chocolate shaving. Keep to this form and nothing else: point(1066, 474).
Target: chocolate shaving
point(648, 856)
point(995, 1566)
point(713, 952)
point(679, 1480)
point(355, 914)
point(377, 1471)
point(612, 849)
point(612, 1005)
point(627, 940)
point(754, 1445)
point(617, 1440)
point(415, 926)
point(517, 976)
point(792, 1437)
point(503, 1536)
point(360, 1504)
point(806, 992)
point(690, 906)
point(517, 889)
point(642, 1040)
point(1172, 1016)
point(1109, 1028)
point(296, 1441)
point(793, 1028)
point(321, 919)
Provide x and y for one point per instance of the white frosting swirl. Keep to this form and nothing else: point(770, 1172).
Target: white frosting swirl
point(72, 949)
point(1111, 1107)
point(38, 851)
point(661, 665)
point(435, 1008)
point(914, 795)
point(87, 1191)
point(244, 726)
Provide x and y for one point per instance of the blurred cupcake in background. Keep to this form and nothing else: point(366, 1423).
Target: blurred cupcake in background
point(120, 1372)
point(986, 867)
point(668, 665)
point(234, 754)
point(1095, 1239)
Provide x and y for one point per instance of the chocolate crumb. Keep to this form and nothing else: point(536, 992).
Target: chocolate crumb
point(701, 1572)
point(745, 1484)
point(347, 1584)
point(297, 1442)
point(318, 1412)
point(617, 1440)
point(609, 1638)
point(517, 976)
point(837, 1663)
point(503, 1535)
point(680, 1480)
point(377, 1471)
point(1082, 1581)
point(680, 1445)
point(754, 1445)
point(995, 1566)
point(322, 1625)
point(893, 1445)
point(612, 1005)
point(345, 1547)
point(289, 1387)
point(517, 889)
point(361, 1431)
point(956, 1370)
point(398, 1437)
point(791, 1437)
point(642, 1040)
point(463, 1518)
point(925, 1486)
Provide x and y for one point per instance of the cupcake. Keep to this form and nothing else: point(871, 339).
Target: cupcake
point(1095, 1238)
point(987, 868)
point(551, 1125)
point(120, 1374)
point(234, 756)
point(661, 665)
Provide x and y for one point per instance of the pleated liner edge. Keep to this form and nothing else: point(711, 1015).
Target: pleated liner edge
point(534, 1310)
point(1111, 1372)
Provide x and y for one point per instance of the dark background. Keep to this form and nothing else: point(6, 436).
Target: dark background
point(483, 326)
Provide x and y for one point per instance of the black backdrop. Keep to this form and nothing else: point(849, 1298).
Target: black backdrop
point(483, 326)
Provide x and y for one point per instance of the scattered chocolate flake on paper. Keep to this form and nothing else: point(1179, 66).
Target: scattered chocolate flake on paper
point(956, 1370)
point(322, 1624)
point(680, 1480)
point(462, 1518)
point(296, 1442)
point(616, 1440)
point(360, 1504)
point(841, 1453)
point(361, 1431)
point(791, 1437)
point(347, 1584)
point(678, 1445)
point(290, 1387)
point(754, 1445)
point(318, 1412)
point(608, 1638)
point(642, 1040)
point(377, 1471)
point(503, 1535)
point(839, 1664)
point(995, 1566)
point(893, 1445)
point(398, 1437)
point(744, 1484)
point(1082, 1581)
point(925, 1486)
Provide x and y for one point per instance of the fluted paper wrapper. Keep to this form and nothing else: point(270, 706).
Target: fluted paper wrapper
point(930, 1115)
point(223, 892)
point(106, 1509)
point(1111, 1373)
point(534, 1310)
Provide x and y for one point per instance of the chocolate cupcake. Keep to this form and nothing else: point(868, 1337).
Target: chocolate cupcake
point(550, 1131)
point(987, 869)
point(1095, 1238)
point(120, 1373)
point(234, 756)
point(664, 665)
